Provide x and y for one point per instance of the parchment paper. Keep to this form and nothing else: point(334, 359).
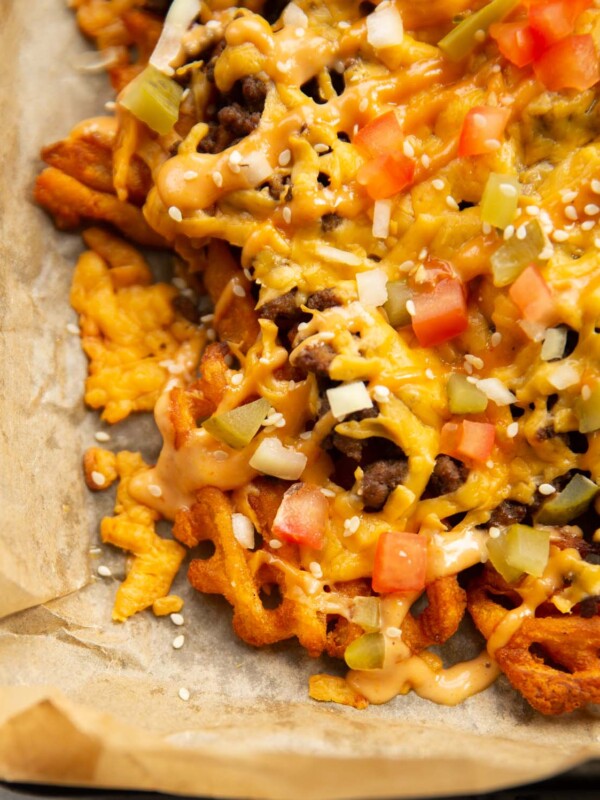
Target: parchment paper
point(85, 701)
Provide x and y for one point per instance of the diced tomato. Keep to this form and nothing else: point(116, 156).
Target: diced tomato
point(532, 295)
point(482, 130)
point(555, 19)
point(440, 314)
point(517, 41)
point(400, 563)
point(302, 516)
point(381, 136)
point(571, 63)
point(385, 176)
point(473, 441)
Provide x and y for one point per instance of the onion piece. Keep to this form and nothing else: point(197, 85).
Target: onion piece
point(348, 398)
point(273, 458)
point(243, 530)
point(385, 27)
point(382, 212)
point(340, 256)
point(496, 391)
point(564, 376)
point(372, 287)
point(294, 16)
point(180, 16)
point(554, 345)
point(256, 168)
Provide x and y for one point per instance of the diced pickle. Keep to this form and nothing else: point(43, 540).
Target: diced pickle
point(461, 40)
point(238, 427)
point(554, 345)
point(520, 549)
point(395, 306)
point(570, 503)
point(464, 397)
point(366, 652)
point(366, 613)
point(511, 258)
point(500, 200)
point(154, 99)
point(588, 411)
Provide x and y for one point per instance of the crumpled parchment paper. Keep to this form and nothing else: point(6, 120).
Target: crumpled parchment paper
point(89, 702)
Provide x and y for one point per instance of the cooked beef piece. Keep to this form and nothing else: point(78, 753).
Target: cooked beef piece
point(379, 479)
point(448, 475)
point(508, 512)
point(280, 185)
point(329, 222)
point(326, 298)
point(547, 432)
point(254, 92)
point(589, 607)
point(283, 306)
point(187, 308)
point(238, 112)
point(352, 448)
point(210, 64)
point(316, 358)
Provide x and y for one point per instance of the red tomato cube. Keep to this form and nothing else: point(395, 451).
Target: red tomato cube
point(387, 175)
point(482, 130)
point(571, 63)
point(380, 136)
point(440, 314)
point(400, 563)
point(302, 516)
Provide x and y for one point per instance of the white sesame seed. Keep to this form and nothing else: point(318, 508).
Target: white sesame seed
point(343, 24)
point(102, 436)
point(238, 290)
point(512, 430)
point(568, 195)
point(305, 435)
point(177, 619)
point(275, 544)
point(104, 572)
point(489, 464)
point(110, 105)
point(328, 492)
point(595, 186)
point(496, 68)
point(486, 228)
point(211, 334)
point(426, 160)
point(494, 532)
point(586, 392)
point(521, 232)
point(588, 224)
point(492, 144)
point(509, 232)
point(546, 253)
point(363, 105)
point(381, 393)
point(285, 157)
point(429, 373)
point(175, 213)
point(321, 148)
point(178, 642)
point(559, 235)
point(392, 632)
point(154, 490)
point(571, 213)
point(220, 455)
point(408, 149)
point(217, 178)
point(475, 361)
point(438, 184)
point(300, 32)
point(73, 329)
point(264, 360)
point(410, 307)
point(533, 211)
point(190, 175)
point(315, 569)
point(184, 694)
point(468, 368)
point(546, 489)
point(237, 379)
point(287, 214)
point(479, 35)
point(98, 478)
point(451, 203)
point(591, 209)
point(352, 524)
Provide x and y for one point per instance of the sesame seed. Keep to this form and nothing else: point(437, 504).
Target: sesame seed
point(381, 393)
point(492, 144)
point(177, 619)
point(521, 232)
point(559, 235)
point(217, 178)
point(321, 148)
point(429, 373)
point(363, 105)
point(595, 186)
point(305, 435)
point(190, 175)
point(474, 361)
point(468, 368)
point(571, 213)
point(408, 149)
point(98, 478)
point(451, 203)
point(175, 213)
point(509, 232)
point(275, 544)
point(591, 209)
point(438, 184)
point(178, 642)
point(235, 159)
point(533, 211)
point(184, 694)
point(486, 228)
point(287, 215)
point(568, 195)
point(588, 224)
point(352, 524)
point(237, 379)
point(512, 430)
point(494, 532)
point(284, 157)
point(328, 492)
point(300, 32)
point(479, 35)
point(343, 24)
point(393, 633)
point(586, 392)
point(73, 329)
point(211, 334)
point(406, 266)
point(104, 572)
point(489, 464)
point(220, 455)
point(238, 290)
point(315, 569)
point(110, 105)
point(426, 160)
point(410, 307)
point(263, 360)
point(102, 436)
point(546, 489)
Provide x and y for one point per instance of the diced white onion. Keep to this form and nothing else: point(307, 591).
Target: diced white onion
point(382, 212)
point(564, 376)
point(273, 458)
point(97, 60)
point(340, 256)
point(372, 287)
point(555, 341)
point(496, 391)
point(257, 168)
point(294, 16)
point(348, 398)
point(179, 18)
point(243, 530)
point(385, 27)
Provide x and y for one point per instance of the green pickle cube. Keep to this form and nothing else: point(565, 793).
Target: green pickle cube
point(154, 99)
point(520, 549)
point(500, 200)
point(568, 504)
point(366, 652)
point(464, 397)
point(395, 306)
point(588, 411)
point(366, 613)
point(239, 426)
